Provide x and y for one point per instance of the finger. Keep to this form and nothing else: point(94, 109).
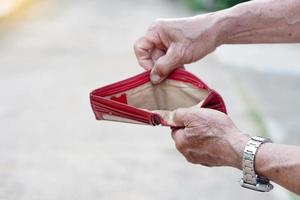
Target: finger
point(182, 67)
point(181, 117)
point(143, 50)
point(157, 53)
point(199, 105)
point(165, 64)
point(179, 138)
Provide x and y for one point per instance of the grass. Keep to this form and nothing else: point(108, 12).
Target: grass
point(211, 5)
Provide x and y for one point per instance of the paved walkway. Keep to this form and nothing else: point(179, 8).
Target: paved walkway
point(51, 147)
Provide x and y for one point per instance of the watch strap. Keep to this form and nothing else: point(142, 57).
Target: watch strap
point(250, 179)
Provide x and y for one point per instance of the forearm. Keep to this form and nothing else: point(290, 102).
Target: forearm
point(281, 164)
point(261, 21)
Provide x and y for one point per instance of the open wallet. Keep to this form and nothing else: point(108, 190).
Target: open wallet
point(137, 100)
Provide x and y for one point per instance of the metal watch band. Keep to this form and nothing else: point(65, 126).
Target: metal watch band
point(250, 179)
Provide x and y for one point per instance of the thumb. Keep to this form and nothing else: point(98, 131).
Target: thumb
point(165, 64)
point(181, 117)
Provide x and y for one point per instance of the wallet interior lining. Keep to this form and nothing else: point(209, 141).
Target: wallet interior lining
point(168, 95)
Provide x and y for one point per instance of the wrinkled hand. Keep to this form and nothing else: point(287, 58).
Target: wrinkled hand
point(209, 138)
point(171, 43)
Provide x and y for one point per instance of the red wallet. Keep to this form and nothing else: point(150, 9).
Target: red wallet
point(137, 100)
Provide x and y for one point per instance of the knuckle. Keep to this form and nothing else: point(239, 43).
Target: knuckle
point(177, 55)
point(161, 70)
point(141, 63)
point(181, 54)
point(206, 164)
point(194, 117)
point(179, 113)
point(180, 146)
point(137, 45)
point(152, 26)
point(184, 113)
point(190, 157)
point(156, 24)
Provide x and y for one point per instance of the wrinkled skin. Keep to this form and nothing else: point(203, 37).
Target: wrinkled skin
point(171, 43)
point(209, 138)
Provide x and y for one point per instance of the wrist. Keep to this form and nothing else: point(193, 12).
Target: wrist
point(248, 23)
point(239, 24)
point(238, 142)
point(250, 179)
point(224, 23)
point(240, 147)
point(216, 24)
point(262, 158)
point(227, 23)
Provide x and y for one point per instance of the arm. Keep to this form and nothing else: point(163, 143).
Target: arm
point(280, 163)
point(171, 43)
point(210, 138)
point(263, 21)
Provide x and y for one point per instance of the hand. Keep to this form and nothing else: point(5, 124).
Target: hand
point(171, 43)
point(209, 138)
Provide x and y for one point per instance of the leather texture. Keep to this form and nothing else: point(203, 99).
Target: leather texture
point(137, 100)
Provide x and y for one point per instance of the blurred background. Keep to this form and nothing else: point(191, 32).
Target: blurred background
point(54, 52)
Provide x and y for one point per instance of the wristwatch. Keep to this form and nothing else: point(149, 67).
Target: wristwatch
point(250, 179)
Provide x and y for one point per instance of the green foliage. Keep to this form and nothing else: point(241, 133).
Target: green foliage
point(211, 5)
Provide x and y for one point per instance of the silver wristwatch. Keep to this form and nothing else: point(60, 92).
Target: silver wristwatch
point(250, 179)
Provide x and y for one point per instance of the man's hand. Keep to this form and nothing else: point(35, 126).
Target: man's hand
point(209, 138)
point(171, 43)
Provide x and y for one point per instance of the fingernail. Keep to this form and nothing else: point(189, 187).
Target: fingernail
point(155, 78)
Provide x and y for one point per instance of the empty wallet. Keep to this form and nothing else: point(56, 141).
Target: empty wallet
point(137, 100)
